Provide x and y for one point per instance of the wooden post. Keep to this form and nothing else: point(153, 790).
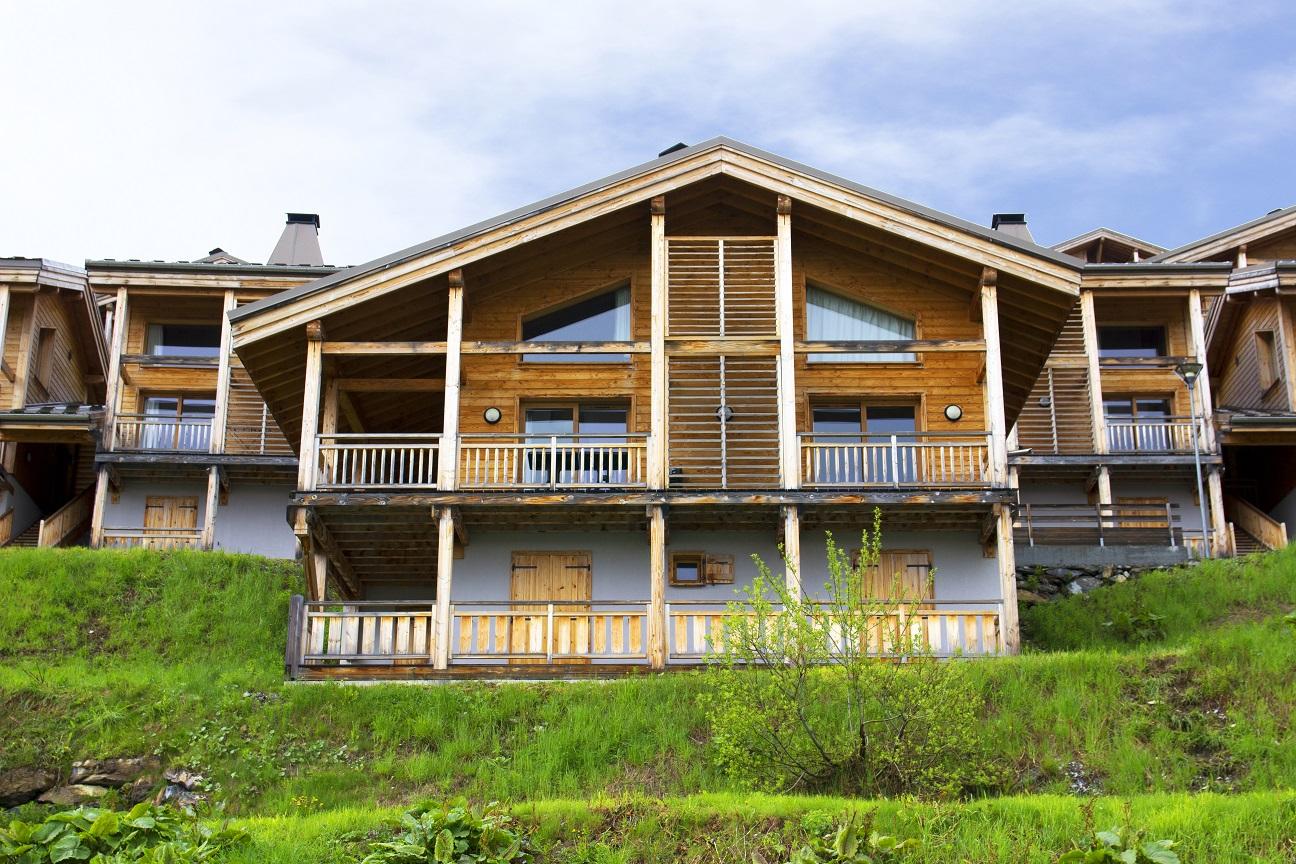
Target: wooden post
point(1197, 327)
point(789, 455)
point(100, 503)
point(792, 548)
point(112, 395)
point(4, 320)
point(306, 468)
point(994, 378)
point(1219, 522)
point(444, 580)
point(658, 470)
point(1089, 326)
point(220, 417)
point(657, 624)
point(448, 453)
point(1005, 557)
point(26, 356)
point(1102, 482)
point(1287, 336)
point(319, 572)
point(213, 501)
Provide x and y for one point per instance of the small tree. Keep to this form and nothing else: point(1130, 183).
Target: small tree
point(840, 692)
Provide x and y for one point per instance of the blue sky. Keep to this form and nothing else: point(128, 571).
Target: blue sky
point(160, 130)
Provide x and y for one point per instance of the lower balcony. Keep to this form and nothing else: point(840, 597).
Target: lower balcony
point(151, 538)
point(1060, 535)
point(359, 639)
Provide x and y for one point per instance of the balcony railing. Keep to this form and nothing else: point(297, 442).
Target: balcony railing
point(366, 461)
point(162, 432)
point(380, 633)
point(1160, 435)
point(1098, 525)
point(910, 459)
point(510, 461)
point(151, 538)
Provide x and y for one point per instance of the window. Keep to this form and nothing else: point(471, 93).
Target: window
point(183, 340)
point(591, 423)
point(854, 443)
point(696, 569)
point(177, 423)
point(1130, 342)
point(832, 318)
point(601, 318)
point(1266, 358)
point(45, 344)
point(1140, 423)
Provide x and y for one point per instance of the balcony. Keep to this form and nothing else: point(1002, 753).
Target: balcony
point(584, 461)
point(151, 538)
point(1159, 435)
point(165, 433)
point(1100, 535)
point(485, 635)
point(368, 461)
point(912, 459)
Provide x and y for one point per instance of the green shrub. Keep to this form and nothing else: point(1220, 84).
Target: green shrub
point(145, 834)
point(454, 835)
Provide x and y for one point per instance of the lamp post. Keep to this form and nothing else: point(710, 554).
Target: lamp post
point(1189, 373)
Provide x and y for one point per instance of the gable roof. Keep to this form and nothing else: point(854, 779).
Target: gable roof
point(1274, 221)
point(1031, 261)
point(1102, 233)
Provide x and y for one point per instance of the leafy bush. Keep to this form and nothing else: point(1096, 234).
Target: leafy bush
point(852, 843)
point(145, 834)
point(454, 835)
point(799, 699)
point(1115, 846)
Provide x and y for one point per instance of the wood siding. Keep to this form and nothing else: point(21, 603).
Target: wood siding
point(1238, 383)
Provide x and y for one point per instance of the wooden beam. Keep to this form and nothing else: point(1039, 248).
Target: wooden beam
point(311, 394)
point(444, 581)
point(221, 417)
point(657, 624)
point(26, 352)
point(960, 497)
point(657, 460)
point(1197, 329)
point(212, 502)
point(448, 458)
point(390, 385)
point(1098, 418)
point(1005, 559)
point(4, 332)
point(100, 502)
point(900, 346)
point(112, 397)
point(323, 543)
point(994, 389)
point(792, 547)
point(789, 448)
point(498, 347)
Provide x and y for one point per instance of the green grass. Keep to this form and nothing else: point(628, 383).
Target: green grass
point(106, 654)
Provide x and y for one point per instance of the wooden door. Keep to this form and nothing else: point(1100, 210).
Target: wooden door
point(169, 514)
point(565, 579)
point(902, 574)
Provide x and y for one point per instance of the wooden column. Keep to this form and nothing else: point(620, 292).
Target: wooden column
point(26, 357)
point(444, 580)
point(789, 449)
point(1009, 631)
point(100, 503)
point(1287, 336)
point(792, 548)
point(213, 501)
point(319, 573)
point(448, 453)
point(220, 417)
point(994, 378)
point(1219, 522)
point(1197, 327)
point(1102, 484)
point(306, 468)
point(112, 387)
point(8, 454)
point(1089, 326)
point(657, 624)
point(658, 472)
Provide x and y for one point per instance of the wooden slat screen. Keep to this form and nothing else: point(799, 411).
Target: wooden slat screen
point(706, 453)
point(720, 286)
point(1056, 418)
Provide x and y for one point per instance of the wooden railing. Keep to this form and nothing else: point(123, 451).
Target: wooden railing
point(910, 459)
point(6, 526)
point(1270, 533)
point(158, 432)
point(1098, 525)
point(261, 437)
point(151, 538)
point(368, 461)
point(510, 461)
point(1162, 435)
point(69, 521)
point(362, 631)
point(549, 632)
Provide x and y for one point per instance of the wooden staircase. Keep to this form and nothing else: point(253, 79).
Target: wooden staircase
point(1252, 529)
point(1246, 544)
point(27, 539)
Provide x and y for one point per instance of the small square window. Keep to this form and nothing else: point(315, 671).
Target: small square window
point(688, 569)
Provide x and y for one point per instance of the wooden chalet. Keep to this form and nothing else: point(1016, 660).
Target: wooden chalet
point(560, 434)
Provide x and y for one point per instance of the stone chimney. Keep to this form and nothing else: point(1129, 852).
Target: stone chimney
point(299, 243)
point(1013, 224)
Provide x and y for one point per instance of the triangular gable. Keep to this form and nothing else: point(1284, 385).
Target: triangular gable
point(1145, 249)
point(1266, 226)
point(1010, 255)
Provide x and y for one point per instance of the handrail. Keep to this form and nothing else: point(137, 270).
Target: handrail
point(1271, 533)
point(1162, 435)
point(63, 523)
point(1098, 524)
point(518, 460)
point(151, 538)
point(383, 460)
point(838, 459)
point(162, 432)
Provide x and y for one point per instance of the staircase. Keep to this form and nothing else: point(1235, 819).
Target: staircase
point(1245, 544)
point(28, 538)
point(1253, 529)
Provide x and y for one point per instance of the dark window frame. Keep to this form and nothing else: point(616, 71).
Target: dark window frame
point(626, 285)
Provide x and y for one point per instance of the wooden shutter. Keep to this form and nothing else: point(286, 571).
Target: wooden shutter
point(719, 569)
point(171, 512)
point(1152, 516)
point(902, 572)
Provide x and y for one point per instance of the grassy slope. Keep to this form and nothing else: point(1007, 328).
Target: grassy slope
point(125, 653)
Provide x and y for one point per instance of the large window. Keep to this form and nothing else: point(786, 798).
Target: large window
point(575, 424)
point(183, 340)
point(1130, 342)
point(833, 318)
point(177, 422)
point(603, 317)
point(1139, 423)
point(856, 443)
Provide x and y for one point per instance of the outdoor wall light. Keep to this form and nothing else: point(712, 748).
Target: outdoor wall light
point(492, 415)
point(724, 413)
point(1045, 401)
point(953, 413)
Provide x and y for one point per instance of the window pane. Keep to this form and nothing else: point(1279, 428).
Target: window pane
point(549, 421)
point(891, 419)
point(886, 420)
point(160, 405)
point(831, 317)
point(1131, 342)
point(1118, 408)
point(183, 340)
point(603, 318)
point(839, 454)
point(599, 419)
point(843, 419)
point(193, 407)
point(538, 457)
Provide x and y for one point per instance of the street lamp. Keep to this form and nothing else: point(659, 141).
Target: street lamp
point(1188, 373)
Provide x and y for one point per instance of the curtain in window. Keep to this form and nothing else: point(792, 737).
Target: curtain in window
point(830, 318)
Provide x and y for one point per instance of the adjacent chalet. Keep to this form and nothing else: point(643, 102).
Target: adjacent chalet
point(550, 443)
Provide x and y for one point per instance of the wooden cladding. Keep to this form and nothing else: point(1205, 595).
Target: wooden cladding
point(720, 286)
point(723, 423)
